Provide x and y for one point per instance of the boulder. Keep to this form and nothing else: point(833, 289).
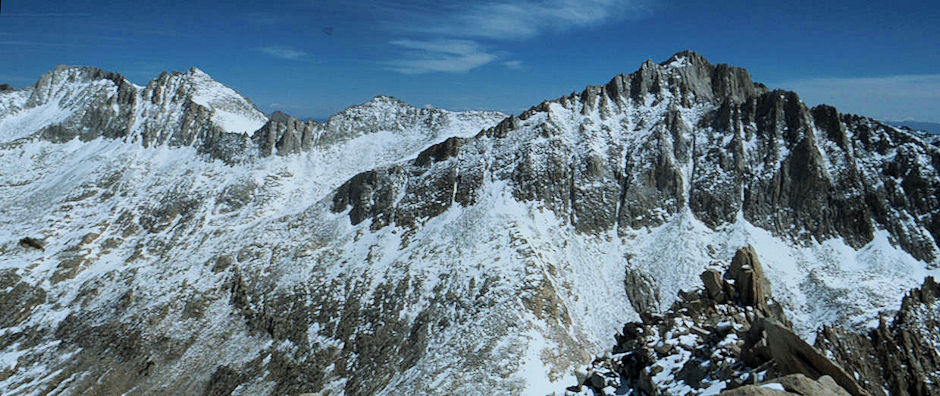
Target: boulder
point(803, 385)
point(828, 383)
point(32, 243)
point(792, 355)
point(641, 291)
point(794, 384)
point(748, 276)
point(754, 390)
point(714, 285)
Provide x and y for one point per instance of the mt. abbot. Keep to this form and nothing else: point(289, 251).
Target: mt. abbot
point(172, 239)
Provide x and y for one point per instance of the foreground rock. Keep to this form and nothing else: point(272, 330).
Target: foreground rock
point(730, 336)
point(794, 384)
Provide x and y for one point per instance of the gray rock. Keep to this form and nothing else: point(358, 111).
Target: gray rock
point(714, 285)
point(641, 291)
point(32, 243)
point(830, 385)
point(748, 276)
point(754, 390)
point(757, 346)
point(285, 135)
point(597, 381)
point(792, 355)
point(799, 384)
point(759, 153)
point(898, 356)
point(17, 299)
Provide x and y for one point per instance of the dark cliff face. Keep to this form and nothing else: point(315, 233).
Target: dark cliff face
point(900, 357)
point(285, 135)
point(676, 135)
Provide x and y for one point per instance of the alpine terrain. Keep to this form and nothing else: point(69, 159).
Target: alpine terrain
point(173, 239)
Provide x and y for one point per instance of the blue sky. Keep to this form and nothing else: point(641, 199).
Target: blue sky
point(312, 58)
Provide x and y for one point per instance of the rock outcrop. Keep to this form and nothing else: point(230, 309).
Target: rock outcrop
point(285, 135)
point(900, 357)
point(794, 384)
point(32, 243)
point(748, 276)
point(728, 336)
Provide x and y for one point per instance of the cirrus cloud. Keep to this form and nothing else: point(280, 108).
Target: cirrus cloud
point(520, 20)
point(455, 56)
point(283, 52)
point(450, 37)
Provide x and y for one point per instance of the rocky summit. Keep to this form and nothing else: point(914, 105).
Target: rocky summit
point(717, 338)
point(172, 239)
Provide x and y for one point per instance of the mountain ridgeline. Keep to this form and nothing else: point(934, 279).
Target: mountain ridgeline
point(172, 239)
point(687, 134)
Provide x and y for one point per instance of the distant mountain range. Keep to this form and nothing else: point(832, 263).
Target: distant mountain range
point(930, 127)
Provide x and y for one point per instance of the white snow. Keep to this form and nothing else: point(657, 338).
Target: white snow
point(26, 122)
point(535, 372)
point(678, 62)
point(231, 111)
point(774, 386)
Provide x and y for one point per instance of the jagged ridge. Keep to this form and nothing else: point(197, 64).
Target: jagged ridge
point(714, 142)
point(192, 109)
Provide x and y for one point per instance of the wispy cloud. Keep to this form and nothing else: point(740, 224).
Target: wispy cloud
point(455, 56)
point(47, 14)
point(262, 19)
point(513, 64)
point(468, 26)
point(30, 43)
point(283, 52)
point(898, 97)
point(514, 20)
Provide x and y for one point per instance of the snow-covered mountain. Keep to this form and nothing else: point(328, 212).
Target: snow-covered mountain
point(190, 244)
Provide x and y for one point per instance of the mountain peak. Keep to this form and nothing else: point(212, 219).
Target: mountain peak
point(686, 58)
point(694, 78)
point(195, 71)
point(280, 116)
point(685, 79)
point(71, 73)
point(65, 80)
point(386, 100)
point(232, 112)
